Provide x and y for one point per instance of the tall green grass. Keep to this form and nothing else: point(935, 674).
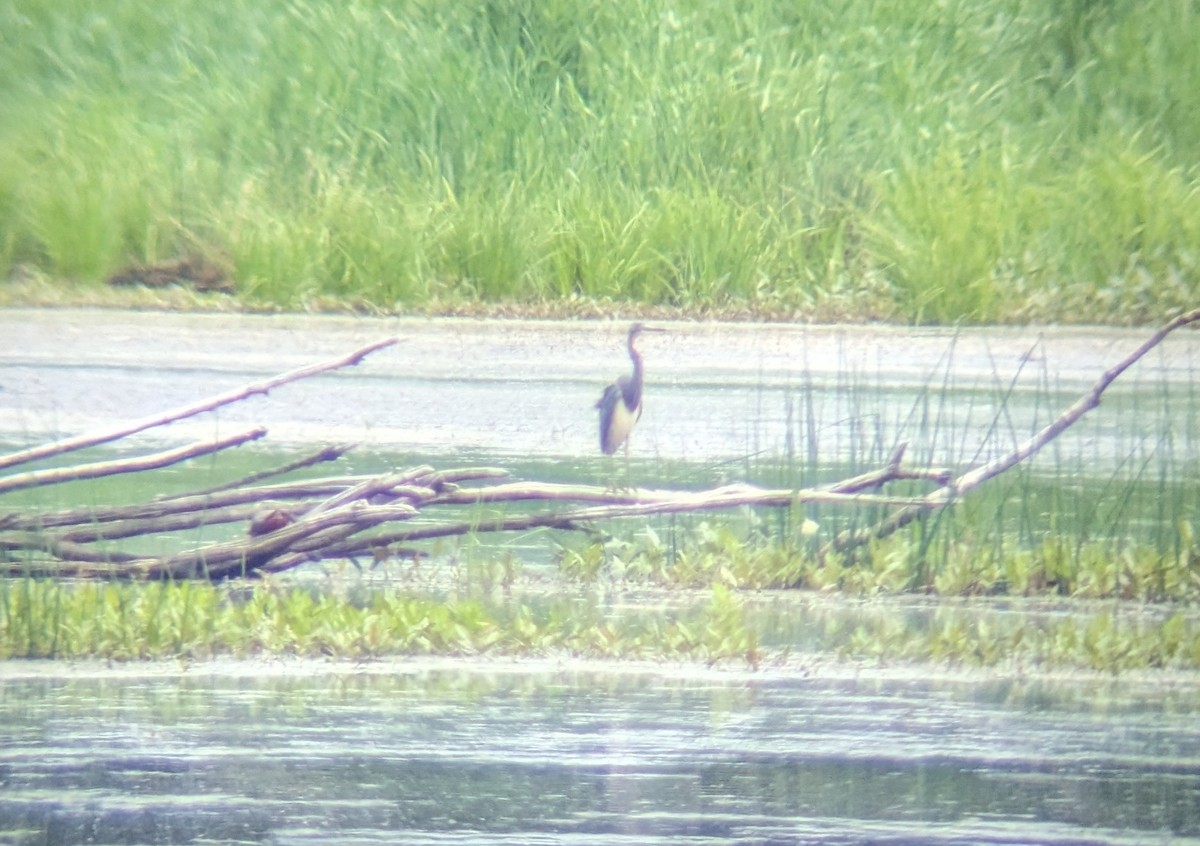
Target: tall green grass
point(963, 161)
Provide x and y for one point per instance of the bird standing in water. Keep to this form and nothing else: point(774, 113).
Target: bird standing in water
point(621, 404)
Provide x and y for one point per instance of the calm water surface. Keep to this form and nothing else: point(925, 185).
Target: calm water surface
point(474, 753)
point(519, 389)
point(471, 753)
point(780, 405)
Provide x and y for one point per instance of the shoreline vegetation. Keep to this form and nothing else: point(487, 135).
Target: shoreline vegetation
point(197, 622)
point(956, 163)
point(969, 162)
point(1009, 599)
point(693, 594)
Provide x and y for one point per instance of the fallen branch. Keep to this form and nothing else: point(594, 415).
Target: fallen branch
point(155, 461)
point(638, 503)
point(299, 493)
point(893, 471)
point(328, 453)
point(362, 525)
point(263, 528)
point(103, 436)
point(959, 486)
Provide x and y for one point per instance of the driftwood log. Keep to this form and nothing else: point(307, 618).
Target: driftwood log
point(276, 525)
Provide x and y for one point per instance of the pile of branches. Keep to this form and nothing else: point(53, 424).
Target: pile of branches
point(277, 525)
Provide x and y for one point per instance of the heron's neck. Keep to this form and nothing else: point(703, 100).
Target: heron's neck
point(636, 382)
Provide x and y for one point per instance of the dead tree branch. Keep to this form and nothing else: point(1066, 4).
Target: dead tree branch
point(327, 453)
point(959, 486)
point(103, 436)
point(256, 527)
point(155, 461)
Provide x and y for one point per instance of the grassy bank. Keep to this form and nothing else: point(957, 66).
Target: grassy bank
point(965, 161)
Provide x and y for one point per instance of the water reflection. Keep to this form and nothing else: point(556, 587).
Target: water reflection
point(551, 754)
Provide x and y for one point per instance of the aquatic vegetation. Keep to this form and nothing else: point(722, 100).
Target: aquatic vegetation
point(722, 553)
point(1129, 544)
point(190, 621)
point(1112, 640)
point(195, 620)
point(1147, 619)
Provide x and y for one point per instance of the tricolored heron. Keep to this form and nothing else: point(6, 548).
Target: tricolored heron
point(621, 403)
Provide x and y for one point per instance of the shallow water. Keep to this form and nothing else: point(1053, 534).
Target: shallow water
point(473, 752)
point(714, 392)
point(467, 752)
point(779, 405)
